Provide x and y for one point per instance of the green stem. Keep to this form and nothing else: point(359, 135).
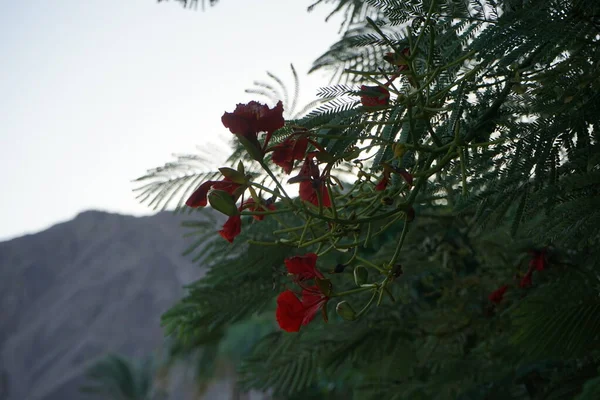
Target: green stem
point(352, 291)
point(400, 243)
point(292, 229)
point(266, 189)
point(305, 229)
point(274, 178)
point(366, 307)
point(317, 240)
point(463, 171)
point(381, 290)
point(285, 211)
point(429, 13)
point(261, 243)
point(355, 251)
point(400, 208)
point(370, 264)
point(376, 28)
point(368, 235)
point(368, 137)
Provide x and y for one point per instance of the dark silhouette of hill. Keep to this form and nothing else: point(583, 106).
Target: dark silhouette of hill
point(80, 289)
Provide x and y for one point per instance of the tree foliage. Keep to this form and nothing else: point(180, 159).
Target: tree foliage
point(492, 109)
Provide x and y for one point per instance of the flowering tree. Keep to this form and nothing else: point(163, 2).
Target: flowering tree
point(444, 202)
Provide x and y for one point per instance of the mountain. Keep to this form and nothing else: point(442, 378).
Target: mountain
point(83, 288)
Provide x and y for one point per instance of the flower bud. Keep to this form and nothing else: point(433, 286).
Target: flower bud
point(397, 271)
point(387, 201)
point(222, 201)
point(233, 175)
point(399, 149)
point(361, 275)
point(344, 310)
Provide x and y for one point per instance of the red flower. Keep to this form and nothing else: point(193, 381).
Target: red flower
point(395, 59)
point(250, 204)
point(303, 267)
point(406, 175)
point(289, 150)
point(374, 96)
point(231, 228)
point(311, 181)
point(249, 119)
point(497, 295)
point(292, 312)
point(538, 262)
point(387, 171)
point(198, 198)
point(526, 281)
point(382, 184)
point(313, 300)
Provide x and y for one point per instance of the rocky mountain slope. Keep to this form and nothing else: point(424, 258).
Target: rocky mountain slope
point(80, 289)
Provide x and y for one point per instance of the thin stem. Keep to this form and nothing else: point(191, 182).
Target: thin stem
point(400, 243)
point(352, 291)
point(292, 229)
point(265, 189)
point(284, 211)
point(429, 13)
point(381, 290)
point(463, 171)
point(308, 221)
point(370, 264)
point(274, 178)
point(366, 307)
point(400, 208)
point(368, 235)
point(317, 240)
point(355, 251)
point(261, 243)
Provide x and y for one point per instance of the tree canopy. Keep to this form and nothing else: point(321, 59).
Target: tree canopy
point(446, 224)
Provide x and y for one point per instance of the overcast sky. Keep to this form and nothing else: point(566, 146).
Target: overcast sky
point(94, 93)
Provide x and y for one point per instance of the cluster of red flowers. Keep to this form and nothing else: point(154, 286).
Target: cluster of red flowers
point(297, 309)
point(537, 263)
point(379, 96)
point(312, 183)
point(387, 175)
point(246, 122)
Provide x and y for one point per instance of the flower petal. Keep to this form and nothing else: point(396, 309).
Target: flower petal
point(254, 117)
point(527, 281)
point(199, 197)
point(497, 295)
point(312, 301)
point(374, 96)
point(303, 266)
point(283, 155)
point(290, 311)
point(382, 184)
point(231, 228)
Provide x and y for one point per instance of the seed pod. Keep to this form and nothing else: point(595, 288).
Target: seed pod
point(222, 201)
point(361, 275)
point(234, 175)
point(344, 310)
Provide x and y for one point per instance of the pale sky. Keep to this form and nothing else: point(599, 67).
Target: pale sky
point(94, 93)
